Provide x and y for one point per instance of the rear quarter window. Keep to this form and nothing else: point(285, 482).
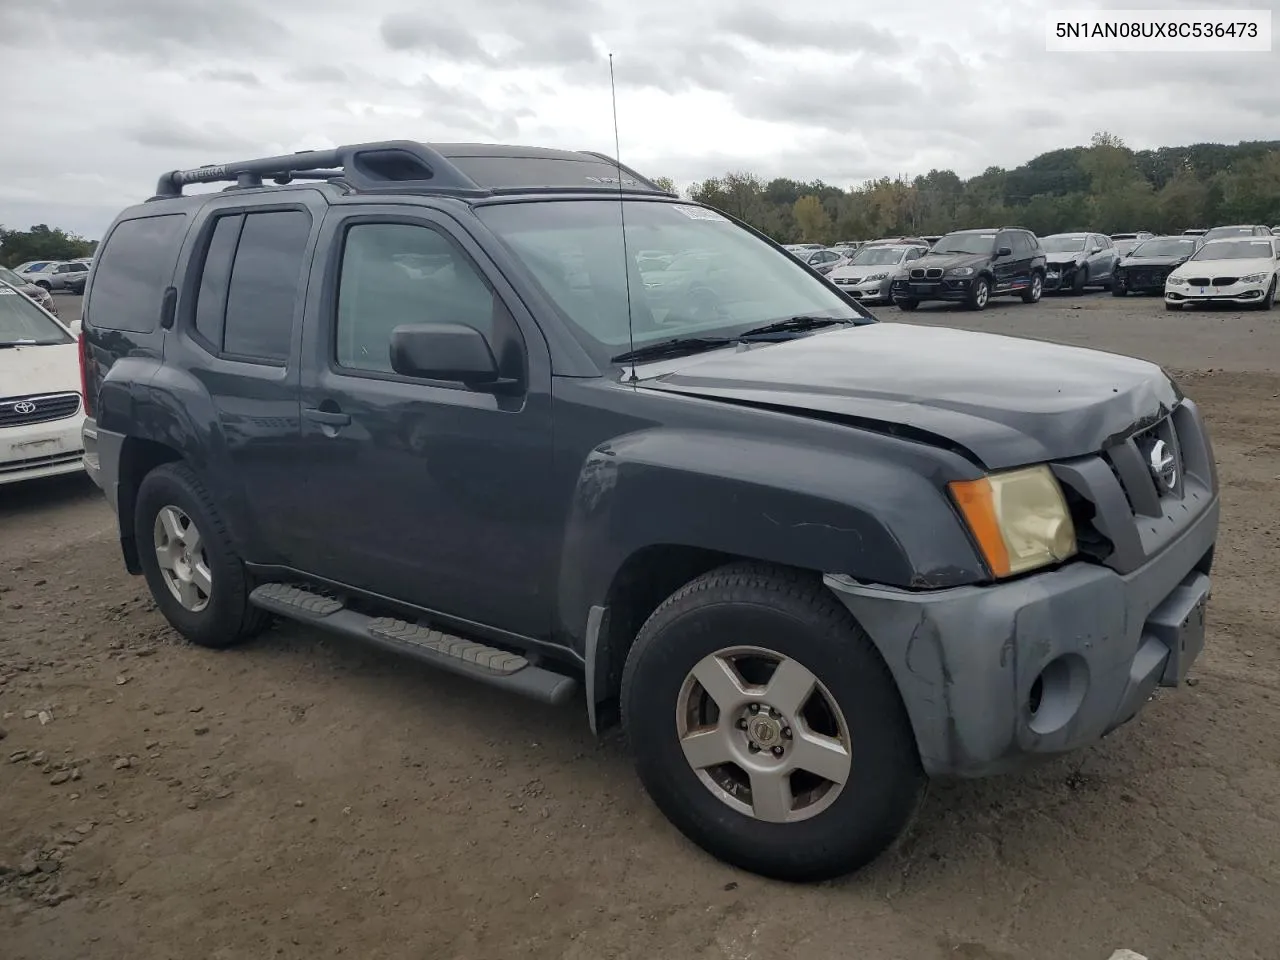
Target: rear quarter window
point(133, 269)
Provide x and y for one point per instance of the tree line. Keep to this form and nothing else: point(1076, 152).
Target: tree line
point(42, 242)
point(1105, 186)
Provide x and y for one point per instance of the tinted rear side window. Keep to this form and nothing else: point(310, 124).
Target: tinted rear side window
point(134, 268)
point(211, 302)
point(266, 283)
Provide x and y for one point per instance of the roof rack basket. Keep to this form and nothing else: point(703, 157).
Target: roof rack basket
point(389, 164)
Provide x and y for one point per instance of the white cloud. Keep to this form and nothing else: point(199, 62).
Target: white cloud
point(841, 93)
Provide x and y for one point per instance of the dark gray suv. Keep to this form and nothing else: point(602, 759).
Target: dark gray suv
point(422, 396)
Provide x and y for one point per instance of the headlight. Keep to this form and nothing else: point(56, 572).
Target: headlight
point(960, 272)
point(874, 277)
point(1176, 281)
point(1019, 519)
point(1253, 278)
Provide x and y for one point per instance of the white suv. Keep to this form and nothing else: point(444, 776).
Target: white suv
point(40, 392)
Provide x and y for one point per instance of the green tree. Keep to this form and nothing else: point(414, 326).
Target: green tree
point(665, 183)
point(41, 242)
point(812, 220)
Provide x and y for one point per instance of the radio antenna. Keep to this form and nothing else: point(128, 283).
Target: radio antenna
point(622, 216)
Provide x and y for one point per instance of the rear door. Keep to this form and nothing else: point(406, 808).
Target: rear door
point(236, 344)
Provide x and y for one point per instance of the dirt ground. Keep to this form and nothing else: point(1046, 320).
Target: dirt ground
point(305, 797)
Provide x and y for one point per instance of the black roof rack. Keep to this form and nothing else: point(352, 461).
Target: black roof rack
point(460, 169)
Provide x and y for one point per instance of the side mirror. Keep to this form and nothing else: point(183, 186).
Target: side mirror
point(443, 351)
point(1095, 249)
point(1004, 252)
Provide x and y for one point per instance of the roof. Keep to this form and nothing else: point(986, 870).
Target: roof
point(407, 166)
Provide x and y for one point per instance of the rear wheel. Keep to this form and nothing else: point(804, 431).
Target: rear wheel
point(979, 294)
point(767, 728)
point(1034, 292)
point(196, 579)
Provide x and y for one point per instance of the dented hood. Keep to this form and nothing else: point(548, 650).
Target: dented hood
point(1006, 400)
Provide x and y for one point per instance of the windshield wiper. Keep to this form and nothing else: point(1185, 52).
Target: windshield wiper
point(17, 343)
point(676, 347)
point(797, 324)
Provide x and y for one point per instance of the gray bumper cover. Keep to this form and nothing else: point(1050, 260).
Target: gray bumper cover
point(1086, 644)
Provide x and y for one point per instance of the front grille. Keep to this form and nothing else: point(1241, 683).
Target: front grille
point(1198, 281)
point(1133, 461)
point(1224, 281)
point(21, 411)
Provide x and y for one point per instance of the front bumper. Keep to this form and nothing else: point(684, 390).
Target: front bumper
point(1241, 293)
point(952, 289)
point(46, 449)
point(1059, 276)
point(1084, 645)
point(876, 291)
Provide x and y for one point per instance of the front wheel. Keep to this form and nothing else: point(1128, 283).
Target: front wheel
point(1079, 280)
point(1269, 300)
point(907, 305)
point(1118, 288)
point(767, 728)
point(1172, 306)
point(196, 579)
point(979, 294)
point(1034, 292)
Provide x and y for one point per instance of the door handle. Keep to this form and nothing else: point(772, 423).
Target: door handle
point(331, 418)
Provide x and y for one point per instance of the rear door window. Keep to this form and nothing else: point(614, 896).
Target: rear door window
point(135, 266)
point(251, 284)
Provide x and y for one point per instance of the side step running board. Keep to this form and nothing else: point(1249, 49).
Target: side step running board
point(498, 668)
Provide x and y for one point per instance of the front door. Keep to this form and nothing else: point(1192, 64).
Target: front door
point(427, 492)
point(1005, 266)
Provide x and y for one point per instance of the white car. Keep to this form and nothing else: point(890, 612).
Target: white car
point(869, 275)
point(41, 411)
point(1241, 270)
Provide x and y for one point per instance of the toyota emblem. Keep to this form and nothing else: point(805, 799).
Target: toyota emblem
point(1162, 465)
point(24, 406)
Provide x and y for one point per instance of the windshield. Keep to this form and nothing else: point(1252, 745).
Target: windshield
point(1258, 249)
point(574, 250)
point(1063, 244)
point(1165, 248)
point(878, 256)
point(966, 243)
point(21, 321)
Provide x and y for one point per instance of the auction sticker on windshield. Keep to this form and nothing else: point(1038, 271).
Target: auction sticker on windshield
point(700, 213)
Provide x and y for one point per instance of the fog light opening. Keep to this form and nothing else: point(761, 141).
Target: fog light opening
point(1036, 696)
point(1055, 696)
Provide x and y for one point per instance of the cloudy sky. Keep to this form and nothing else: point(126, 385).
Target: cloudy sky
point(113, 92)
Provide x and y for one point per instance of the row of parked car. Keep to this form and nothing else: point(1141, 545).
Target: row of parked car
point(66, 276)
point(972, 266)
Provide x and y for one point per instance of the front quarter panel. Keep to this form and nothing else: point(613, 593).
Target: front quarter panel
point(875, 518)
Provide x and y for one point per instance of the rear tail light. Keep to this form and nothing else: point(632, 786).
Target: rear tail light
point(84, 373)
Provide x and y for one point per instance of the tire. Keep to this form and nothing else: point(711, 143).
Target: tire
point(225, 618)
point(1269, 299)
point(1033, 293)
point(1079, 280)
point(44, 285)
point(980, 295)
point(1172, 306)
point(907, 305)
point(1118, 289)
point(795, 618)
